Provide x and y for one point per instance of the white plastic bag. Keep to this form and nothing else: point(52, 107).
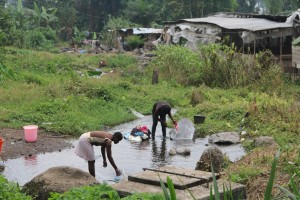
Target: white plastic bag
point(186, 129)
point(122, 177)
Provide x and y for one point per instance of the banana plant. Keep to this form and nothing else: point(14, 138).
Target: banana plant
point(43, 16)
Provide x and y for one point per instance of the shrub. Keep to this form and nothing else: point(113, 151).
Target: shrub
point(134, 41)
point(176, 63)
point(97, 192)
point(120, 61)
point(11, 190)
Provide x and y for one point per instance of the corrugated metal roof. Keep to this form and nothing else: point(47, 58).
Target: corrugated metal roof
point(228, 22)
point(137, 31)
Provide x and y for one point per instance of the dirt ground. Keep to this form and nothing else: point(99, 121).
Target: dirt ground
point(15, 146)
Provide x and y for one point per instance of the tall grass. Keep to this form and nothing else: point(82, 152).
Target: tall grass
point(216, 65)
point(169, 192)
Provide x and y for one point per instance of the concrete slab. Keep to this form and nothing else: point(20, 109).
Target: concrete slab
point(182, 178)
point(126, 188)
point(187, 187)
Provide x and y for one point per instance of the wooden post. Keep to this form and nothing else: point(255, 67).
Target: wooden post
point(280, 51)
point(155, 77)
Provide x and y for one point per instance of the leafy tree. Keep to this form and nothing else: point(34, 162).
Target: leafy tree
point(78, 35)
point(274, 6)
point(113, 24)
point(2, 3)
point(212, 6)
point(134, 41)
point(93, 14)
point(247, 6)
point(291, 5)
point(178, 9)
point(43, 16)
point(6, 26)
point(67, 15)
point(141, 12)
point(20, 15)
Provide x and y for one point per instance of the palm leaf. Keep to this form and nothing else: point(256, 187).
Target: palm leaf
point(165, 191)
point(216, 190)
point(171, 188)
point(287, 193)
point(268, 192)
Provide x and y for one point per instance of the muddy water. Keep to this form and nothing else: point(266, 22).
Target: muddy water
point(131, 157)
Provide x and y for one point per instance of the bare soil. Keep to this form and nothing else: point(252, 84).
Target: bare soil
point(15, 146)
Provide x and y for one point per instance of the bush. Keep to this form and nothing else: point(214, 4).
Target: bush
point(179, 64)
point(97, 192)
point(11, 191)
point(217, 65)
point(134, 41)
point(120, 61)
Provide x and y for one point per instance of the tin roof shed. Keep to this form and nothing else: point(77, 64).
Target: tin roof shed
point(257, 32)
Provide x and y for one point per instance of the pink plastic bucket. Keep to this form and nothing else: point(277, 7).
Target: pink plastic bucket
point(1, 143)
point(30, 133)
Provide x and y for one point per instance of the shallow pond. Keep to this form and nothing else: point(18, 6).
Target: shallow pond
point(131, 157)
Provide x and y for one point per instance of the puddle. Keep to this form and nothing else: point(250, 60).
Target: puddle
point(130, 157)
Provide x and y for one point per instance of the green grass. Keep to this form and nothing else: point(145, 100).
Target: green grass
point(48, 91)
point(11, 190)
point(54, 92)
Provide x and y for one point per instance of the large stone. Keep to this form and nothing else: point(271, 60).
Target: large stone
point(180, 150)
point(264, 141)
point(213, 156)
point(225, 138)
point(57, 179)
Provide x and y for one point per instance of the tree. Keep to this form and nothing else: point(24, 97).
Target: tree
point(93, 14)
point(247, 6)
point(20, 16)
point(109, 30)
point(6, 26)
point(141, 12)
point(274, 6)
point(43, 16)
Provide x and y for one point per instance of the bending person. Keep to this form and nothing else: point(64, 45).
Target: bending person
point(159, 111)
point(85, 150)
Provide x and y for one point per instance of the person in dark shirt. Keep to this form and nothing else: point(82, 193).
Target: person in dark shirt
point(159, 111)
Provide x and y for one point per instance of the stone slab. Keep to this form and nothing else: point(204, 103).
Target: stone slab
point(126, 188)
point(182, 178)
point(194, 185)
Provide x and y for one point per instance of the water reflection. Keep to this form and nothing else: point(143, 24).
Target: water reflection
point(131, 157)
point(159, 154)
point(31, 160)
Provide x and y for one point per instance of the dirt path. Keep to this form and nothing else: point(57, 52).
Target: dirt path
point(15, 146)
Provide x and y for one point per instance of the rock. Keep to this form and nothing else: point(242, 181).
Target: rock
point(225, 138)
point(57, 179)
point(172, 151)
point(264, 141)
point(243, 133)
point(211, 155)
point(2, 165)
point(183, 151)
